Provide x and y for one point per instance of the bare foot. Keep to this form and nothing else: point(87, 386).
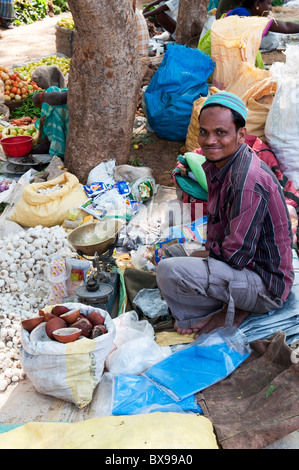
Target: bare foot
point(218, 321)
point(193, 329)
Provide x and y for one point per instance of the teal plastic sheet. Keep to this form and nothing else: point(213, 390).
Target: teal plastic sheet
point(204, 362)
point(8, 427)
point(139, 395)
point(286, 318)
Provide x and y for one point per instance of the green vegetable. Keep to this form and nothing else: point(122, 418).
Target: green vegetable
point(27, 109)
point(28, 11)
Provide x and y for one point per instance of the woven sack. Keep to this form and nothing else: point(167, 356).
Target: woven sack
point(65, 40)
point(234, 40)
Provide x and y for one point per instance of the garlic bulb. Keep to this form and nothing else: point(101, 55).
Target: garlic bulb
point(24, 288)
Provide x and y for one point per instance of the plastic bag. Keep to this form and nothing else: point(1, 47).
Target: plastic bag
point(255, 87)
point(48, 209)
point(102, 172)
point(139, 395)
point(57, 273)
point(142, 189)
point(150, 303)
point(108, 205)
point(179, 81)
point(207, 360)
point(286, 318)
point(196, 231)
point(282, 125)
point(234, 40)
point(69, 371)
point(131, 173)
point(135, 349)
point(78, 274)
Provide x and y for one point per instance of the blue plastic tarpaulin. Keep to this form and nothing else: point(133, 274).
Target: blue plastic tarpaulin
point(207, 360)
point(138, 394)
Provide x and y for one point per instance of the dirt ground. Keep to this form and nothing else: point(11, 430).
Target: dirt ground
point(31, 42)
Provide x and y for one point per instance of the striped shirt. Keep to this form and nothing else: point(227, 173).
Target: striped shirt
point(248, 225)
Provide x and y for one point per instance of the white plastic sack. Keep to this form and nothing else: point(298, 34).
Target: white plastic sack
point(102, 172)
point(282, 124)
point(135, 347)
point(69, 371)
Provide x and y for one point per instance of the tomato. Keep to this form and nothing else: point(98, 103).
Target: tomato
point(13, 76)
point(14, 90)
point(23, 96)
point(23, 90)
point(7, 87)
point(7, 92)
point(20, 84)
point(14, 83)
point(35, 87)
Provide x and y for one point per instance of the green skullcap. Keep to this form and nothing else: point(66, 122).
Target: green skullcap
point(229, 100)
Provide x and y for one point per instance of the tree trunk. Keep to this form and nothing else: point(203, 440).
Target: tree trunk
point(192, 15)
point(104, 83)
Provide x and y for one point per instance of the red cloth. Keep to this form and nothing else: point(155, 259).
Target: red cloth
point(265, 153)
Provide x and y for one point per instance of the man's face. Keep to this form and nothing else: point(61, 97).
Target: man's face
point(218, 137)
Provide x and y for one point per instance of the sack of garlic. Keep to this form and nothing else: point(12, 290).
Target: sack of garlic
point(25, 287)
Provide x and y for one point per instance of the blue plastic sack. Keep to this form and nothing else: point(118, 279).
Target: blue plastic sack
point(139, 395)
point(179, 81)
point(206, 361)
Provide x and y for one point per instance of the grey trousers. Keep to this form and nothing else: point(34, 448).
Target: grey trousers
point(197, 288)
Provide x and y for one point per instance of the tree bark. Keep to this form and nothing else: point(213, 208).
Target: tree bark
point(192, 15)
point(104, 83)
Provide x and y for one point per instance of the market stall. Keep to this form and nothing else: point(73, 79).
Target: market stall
point(86, 338)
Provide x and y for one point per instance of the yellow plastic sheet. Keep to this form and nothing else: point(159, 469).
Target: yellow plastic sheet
point(149, 431)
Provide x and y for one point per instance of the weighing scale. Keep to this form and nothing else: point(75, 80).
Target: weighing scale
point(102, 285)
point(19, 166)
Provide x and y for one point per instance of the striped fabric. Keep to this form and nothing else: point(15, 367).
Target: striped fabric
point(229, 100)
point(248, 223)
point(142, 32)
point(7, 9)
